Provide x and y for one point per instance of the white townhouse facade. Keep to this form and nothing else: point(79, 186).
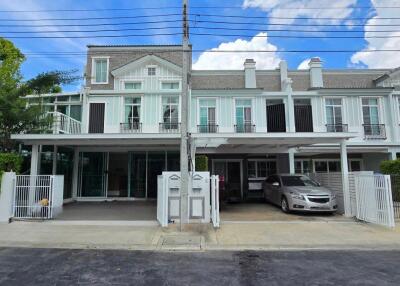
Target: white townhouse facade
point(115, 136)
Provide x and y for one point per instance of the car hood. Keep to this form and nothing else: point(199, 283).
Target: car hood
point(310, 190)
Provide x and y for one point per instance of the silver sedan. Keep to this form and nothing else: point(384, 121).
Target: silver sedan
point(299, 193)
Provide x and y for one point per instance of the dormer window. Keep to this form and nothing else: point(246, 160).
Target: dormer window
point(151, 71)
point(100, 70)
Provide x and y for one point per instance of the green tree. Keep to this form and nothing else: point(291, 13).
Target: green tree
point(15, 115)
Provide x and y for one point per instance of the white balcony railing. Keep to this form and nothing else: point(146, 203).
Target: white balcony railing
point(63, 124)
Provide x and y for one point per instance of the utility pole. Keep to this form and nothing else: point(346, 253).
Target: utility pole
point(184, 162)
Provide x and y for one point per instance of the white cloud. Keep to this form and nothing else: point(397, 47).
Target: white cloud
point(235, 60)
point(304, 65)
point(295, 9)
point(380, 59)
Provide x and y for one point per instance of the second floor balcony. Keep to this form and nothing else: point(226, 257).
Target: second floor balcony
point(169, 127)
point(63, 124)
point(207, 128)
point(131, 127)
point(337, 128)
point(245, 127)
point(374, 131)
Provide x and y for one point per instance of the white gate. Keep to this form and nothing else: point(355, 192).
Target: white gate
point(37, 197)
point(215, 200)
point(374, 199)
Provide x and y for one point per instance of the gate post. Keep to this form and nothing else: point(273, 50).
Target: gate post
point(7, 196)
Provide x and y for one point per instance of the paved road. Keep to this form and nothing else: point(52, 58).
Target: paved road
point(108, 267)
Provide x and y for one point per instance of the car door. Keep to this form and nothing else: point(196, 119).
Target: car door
point(276, 190)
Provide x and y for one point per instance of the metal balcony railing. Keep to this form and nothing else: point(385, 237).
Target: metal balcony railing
point(207, 128)
point(374, 131)
point(337, 128)
point(63, 124)
point(131, 127)
point(245, 128)
point(169, 127)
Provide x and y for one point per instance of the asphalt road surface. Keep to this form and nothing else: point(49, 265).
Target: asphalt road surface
point(108, 267)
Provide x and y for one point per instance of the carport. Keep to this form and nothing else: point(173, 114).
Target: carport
point(270, 144)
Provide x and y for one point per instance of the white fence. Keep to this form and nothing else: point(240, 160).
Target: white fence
point(368, 193)
point(37, 197)
point(64, 124)
point(374, 199)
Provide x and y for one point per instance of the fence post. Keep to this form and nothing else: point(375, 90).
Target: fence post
point(389, 201)
point(345, 179)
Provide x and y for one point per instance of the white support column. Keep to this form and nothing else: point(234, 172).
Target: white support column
point(393, 155)
point(345, 179)
point(35, 160)
point(75, 174)
point(291, 161)
point(54, 172)
point(290, 103)
point(193, 154)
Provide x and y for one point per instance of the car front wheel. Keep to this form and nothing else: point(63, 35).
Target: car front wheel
point(285, 205)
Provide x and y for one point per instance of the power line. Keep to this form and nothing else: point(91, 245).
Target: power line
point(293, 18)
point(197, 15)
point(89, 18)
point(196, 27)
point(202, 34)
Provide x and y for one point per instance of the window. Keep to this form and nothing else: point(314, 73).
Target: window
point(355, 165)
point(334, 120)
point(170, 109)
point(170, 85)
point(260, 168)
point(370, 111)
point(302, 166)
point(100, 70)
point(133, 85)
point(151, 71)
point(207, 118)
point(326, 166)
point(132, 112)
point(243, 115)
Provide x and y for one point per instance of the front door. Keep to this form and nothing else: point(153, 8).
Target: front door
point(96, 117)
point(230, 171)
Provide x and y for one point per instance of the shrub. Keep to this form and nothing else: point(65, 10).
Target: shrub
point(390, 167)
point(201, 163)
point(10, 162)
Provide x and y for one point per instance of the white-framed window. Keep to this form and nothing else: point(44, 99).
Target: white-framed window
point(151, 70)
point(132, 112)
point(327, 166)
point(243, 115)
point(334, 115)
point(170, 112)
point(100, 70)
point(132, 85)
point(302, 166)
point(207, 115)
point(371, 116)
point(170, 85)
point(260, 168)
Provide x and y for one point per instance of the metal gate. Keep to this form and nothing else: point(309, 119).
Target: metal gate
point(215, 200)
point(37, 197)
point(374, 199)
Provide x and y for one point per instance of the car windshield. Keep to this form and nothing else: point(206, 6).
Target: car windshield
point(298, 181)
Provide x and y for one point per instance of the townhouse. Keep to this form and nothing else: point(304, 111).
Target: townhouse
point(114, 137)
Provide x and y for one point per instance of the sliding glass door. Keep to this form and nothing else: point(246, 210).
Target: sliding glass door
point(93, 175)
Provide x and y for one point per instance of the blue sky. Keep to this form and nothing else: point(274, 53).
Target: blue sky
point(267, 10)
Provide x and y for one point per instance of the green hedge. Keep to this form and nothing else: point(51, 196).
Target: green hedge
point(201, 163)
point(10, 162)
point(390, 167)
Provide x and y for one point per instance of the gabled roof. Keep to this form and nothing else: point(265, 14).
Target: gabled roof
point(388, 75)
point(136, 63)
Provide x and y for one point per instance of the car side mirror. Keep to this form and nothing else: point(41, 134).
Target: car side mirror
point(275, 184)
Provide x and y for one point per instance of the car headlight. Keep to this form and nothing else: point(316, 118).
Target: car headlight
point(297, 196)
